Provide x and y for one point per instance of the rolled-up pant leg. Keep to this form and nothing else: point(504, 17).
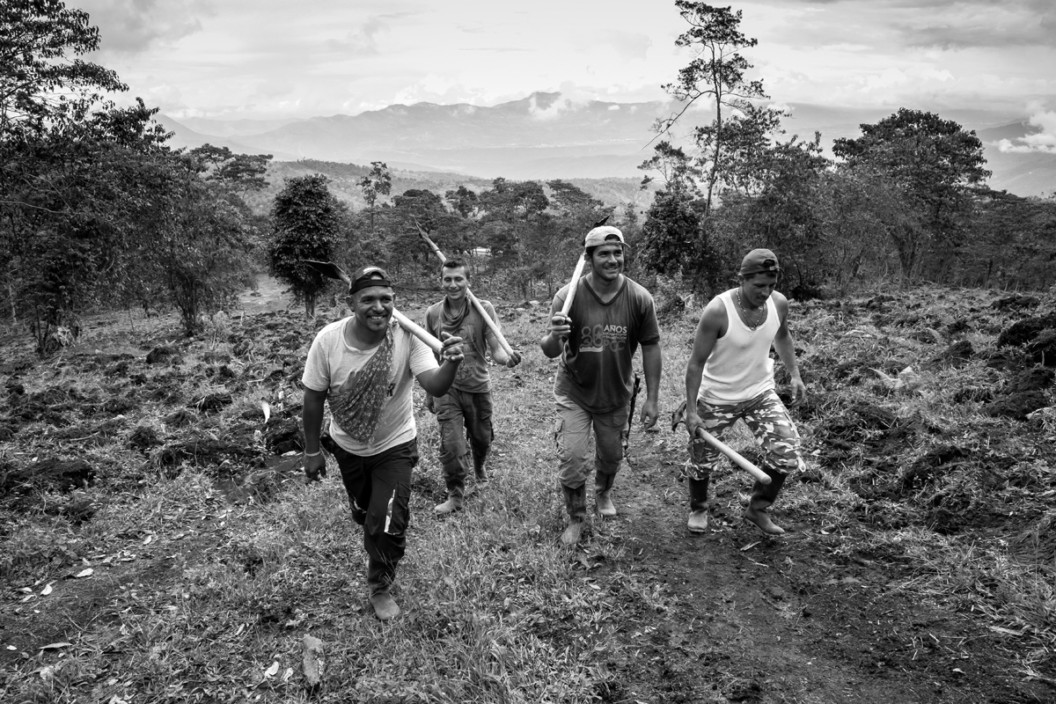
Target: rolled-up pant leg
point(379, 492)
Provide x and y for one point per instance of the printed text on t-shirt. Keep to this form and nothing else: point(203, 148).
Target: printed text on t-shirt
point(598, 337)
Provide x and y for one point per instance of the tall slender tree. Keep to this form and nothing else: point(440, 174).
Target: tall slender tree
point(718, 74)
point(376, 183)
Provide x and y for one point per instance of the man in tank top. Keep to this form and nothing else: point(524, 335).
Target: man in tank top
point(730, 377)
point(610, 316)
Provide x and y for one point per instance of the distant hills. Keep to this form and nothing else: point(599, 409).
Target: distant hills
point(547, 136)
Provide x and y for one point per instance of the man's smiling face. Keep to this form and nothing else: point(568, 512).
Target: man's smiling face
point(455, 283)
point(372, 307)
point(607, 261)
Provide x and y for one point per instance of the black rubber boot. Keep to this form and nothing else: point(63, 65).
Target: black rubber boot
point(763, 496)
point(602, 494)
point(576, 505)
point(698, 505)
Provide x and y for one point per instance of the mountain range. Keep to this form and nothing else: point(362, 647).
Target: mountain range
point(548, 136)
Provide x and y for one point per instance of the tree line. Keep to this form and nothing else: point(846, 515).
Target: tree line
point(98, 212)
point(905, 202)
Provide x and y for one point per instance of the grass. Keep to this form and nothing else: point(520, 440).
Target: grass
point(197, 599)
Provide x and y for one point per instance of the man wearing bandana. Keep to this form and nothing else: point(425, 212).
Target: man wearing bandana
point(730, 377)
point(466, 407)
point(365, 365)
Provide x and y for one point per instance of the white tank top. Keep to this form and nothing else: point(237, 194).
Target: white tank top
point(739, 367)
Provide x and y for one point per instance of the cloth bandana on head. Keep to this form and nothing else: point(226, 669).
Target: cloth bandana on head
point(356, 406)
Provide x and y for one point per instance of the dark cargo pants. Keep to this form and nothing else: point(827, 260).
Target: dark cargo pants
point(379, 492)
point(462, 413)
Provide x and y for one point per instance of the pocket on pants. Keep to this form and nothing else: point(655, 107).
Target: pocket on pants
point(559, 427)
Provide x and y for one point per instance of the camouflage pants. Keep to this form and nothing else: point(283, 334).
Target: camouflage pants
point(770, 425)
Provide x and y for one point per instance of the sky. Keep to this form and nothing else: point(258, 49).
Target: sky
point(277, 59)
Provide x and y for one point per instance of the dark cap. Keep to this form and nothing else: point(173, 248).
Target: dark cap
point(369, 276)
point(759, 261)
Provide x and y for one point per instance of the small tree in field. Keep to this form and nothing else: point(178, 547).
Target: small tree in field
point(376, 183)
point(307, 222)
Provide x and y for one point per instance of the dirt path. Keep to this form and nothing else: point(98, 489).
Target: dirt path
point(735, 616)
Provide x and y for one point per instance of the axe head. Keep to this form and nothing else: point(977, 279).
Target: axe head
point(678, 415)
point(329, 270)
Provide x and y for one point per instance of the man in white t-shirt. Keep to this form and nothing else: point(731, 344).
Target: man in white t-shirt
point(730, 377)
point(364, 366)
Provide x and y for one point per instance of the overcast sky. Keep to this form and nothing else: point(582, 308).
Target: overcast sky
point(300, 58)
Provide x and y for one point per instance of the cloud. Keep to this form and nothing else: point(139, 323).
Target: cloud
point(131, 26)
point(982, 25)
point(946, 25)
point(547, 107)
point(1044, 140)
point(362, 40)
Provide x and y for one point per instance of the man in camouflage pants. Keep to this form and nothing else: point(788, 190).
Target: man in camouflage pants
point(730, 377)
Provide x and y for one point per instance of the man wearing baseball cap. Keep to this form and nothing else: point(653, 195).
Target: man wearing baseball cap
point(730, 377)
point(610, 316)
point(364, 366)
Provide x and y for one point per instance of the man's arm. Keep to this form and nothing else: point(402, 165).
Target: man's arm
point(712, 324)
point(786, 349)
point(652, 362)
point(312, 418)
point(437, 381)
point(553, 342)
point(497, 352)
point(430, 400)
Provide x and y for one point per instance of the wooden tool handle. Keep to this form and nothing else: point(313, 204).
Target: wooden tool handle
point(573, 285)
point(492, 325)
point(418, 331)
point(737, 458)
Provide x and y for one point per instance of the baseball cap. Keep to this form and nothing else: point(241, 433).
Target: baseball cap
point(759, 261)
point(369, 276)
point(606, 234)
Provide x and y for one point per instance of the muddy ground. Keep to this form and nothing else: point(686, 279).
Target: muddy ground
point(748, 618)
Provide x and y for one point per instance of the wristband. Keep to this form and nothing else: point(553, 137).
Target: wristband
point(313, 454)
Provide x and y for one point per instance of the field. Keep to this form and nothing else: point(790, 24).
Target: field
point(159, 543)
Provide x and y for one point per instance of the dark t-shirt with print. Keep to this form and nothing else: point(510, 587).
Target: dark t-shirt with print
point(596, 368)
